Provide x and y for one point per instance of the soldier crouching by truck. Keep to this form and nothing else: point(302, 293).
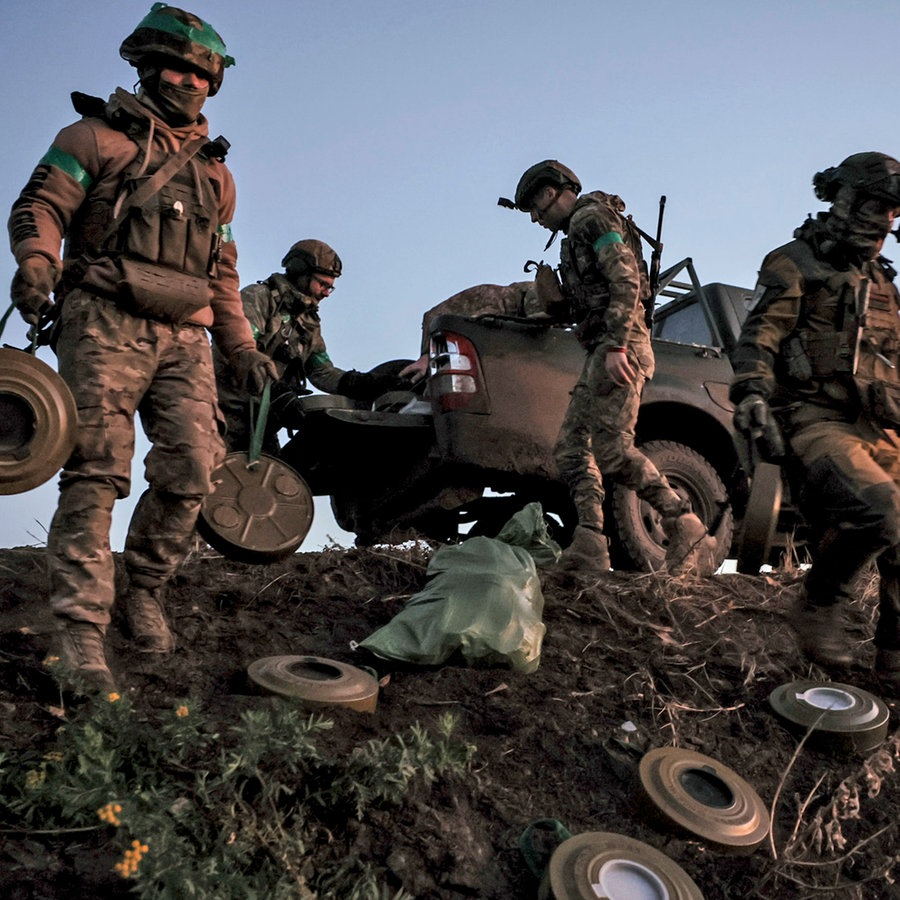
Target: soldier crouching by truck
point(144, 202)
point(283, 312)
point(517, 299)
point(816, 378)
point(605, 284)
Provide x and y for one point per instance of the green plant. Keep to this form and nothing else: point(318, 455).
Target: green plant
point(196, 813)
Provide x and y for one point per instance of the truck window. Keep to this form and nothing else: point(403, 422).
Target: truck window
point(685, 325)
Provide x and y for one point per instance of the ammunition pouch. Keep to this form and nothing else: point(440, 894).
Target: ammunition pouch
point(591, 329)
point(829, 353)
point(881, 402)
point(157, 292)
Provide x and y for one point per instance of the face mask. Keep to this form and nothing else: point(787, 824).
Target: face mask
point(181, 105)
point(856, 230)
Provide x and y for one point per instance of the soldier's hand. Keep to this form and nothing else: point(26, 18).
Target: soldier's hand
point(753, 418)
point(253, 369)
point(286, 409)
point(619, 368)
point(32, 285)
point(415, 371)
point(368, 386)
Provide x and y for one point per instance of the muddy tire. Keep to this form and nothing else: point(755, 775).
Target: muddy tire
point(637, 541)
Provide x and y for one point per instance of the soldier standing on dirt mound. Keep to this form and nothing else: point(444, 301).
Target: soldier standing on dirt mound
point(604, 282)
point(144, 202)
point(283, 312)
point(816, 367)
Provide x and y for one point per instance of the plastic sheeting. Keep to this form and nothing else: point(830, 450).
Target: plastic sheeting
point(483, 601)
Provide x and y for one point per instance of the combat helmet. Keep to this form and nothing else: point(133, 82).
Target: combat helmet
point(169, 31)
point(547, 172)
point(309, 256)
point(869, 174)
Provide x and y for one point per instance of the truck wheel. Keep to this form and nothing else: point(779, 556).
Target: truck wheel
point(637, 541)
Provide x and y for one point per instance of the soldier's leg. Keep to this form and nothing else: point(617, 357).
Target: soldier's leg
point(575, 459)
point(613, 417)
point(851, 495)
point(690, 548)
point(887, 629)
point(579, 472)
point(107, 372)
point(181, 419)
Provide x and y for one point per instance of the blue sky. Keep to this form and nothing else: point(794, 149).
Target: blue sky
point(389, 130)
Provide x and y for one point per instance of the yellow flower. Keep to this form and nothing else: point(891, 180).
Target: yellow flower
point(112, 696)
point(51, 660)
point(127, 866)
point(110, 813)
point(182, 712)
point(54, 756)
point(34, 778)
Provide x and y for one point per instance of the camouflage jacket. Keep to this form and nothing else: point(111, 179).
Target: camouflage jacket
point(286, 327)
point(604, 276)
point(818, 333)
point(516, 299)
point(89, 168)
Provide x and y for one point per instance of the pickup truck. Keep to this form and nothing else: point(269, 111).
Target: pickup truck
point(477, 442)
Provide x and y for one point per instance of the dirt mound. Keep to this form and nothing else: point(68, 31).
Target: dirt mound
point(689, 662)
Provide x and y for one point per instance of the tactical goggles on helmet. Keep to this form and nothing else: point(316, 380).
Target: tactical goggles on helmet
point(869, 174)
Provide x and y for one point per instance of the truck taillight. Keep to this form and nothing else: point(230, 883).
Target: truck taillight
point(455, 381)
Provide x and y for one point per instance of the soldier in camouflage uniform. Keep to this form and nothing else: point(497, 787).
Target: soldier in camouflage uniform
point(605, 282)
point(283, 312)
point(147, 270)
point(516, 299)
point(816, 370)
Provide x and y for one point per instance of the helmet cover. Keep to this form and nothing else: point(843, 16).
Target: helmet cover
point(550, 171)
point(309, 256)
point(169, 31)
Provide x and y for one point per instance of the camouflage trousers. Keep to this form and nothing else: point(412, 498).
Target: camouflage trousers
point(597, 440)
point(117, 365)
point(851, 498)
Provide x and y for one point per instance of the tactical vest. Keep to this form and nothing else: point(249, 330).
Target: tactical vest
point(298, 320)
point(583, 286)
point(850, 333)
point(168, 246)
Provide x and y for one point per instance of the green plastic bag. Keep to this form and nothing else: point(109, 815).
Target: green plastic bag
point(483, 601)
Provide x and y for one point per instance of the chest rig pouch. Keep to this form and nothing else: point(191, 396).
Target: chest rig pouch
point(878, 354)
point(852, 335)
point(165, 235)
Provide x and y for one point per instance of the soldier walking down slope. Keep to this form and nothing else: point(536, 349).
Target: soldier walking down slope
point(144, 202)
point(605, 282)
point(283, 312)
point(816, 373)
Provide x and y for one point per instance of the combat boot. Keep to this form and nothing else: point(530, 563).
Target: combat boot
point(82, 658)
point(887, 671)
point(691, 548)
point(588, 554)
point(820, 633)
point(147, 622)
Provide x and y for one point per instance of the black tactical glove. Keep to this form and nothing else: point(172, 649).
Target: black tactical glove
point(32, 285)
point(367, 386)
point(754, 420)
point(253, 369)
point(285, 408)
